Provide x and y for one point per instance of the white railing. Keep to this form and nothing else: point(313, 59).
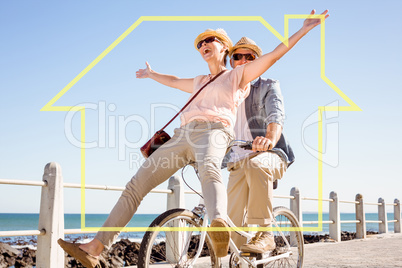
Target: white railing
point(51, 216)
point(335, 215)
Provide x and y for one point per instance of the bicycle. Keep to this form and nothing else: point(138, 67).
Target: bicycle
point(182, 247)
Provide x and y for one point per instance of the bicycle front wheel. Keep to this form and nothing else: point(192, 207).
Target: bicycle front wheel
point(177, 248)
point(289, 242)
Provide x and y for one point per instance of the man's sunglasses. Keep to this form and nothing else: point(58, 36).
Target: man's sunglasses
point(238, 56)
point(207, 40)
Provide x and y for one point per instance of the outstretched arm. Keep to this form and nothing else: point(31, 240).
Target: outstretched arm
point(254, 69)
point(184, 84)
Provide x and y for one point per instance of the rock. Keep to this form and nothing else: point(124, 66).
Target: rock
point(5, 248)
point(8, 255)
point(3, 263)
point(28, 258)
point(131, 254)
point(122, 253)
point(308, 239)
point(117, 261)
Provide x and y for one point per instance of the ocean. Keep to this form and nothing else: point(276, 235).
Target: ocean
point(19, 221)
point(22, 221)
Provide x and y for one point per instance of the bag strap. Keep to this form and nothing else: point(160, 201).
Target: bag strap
point(195, 95)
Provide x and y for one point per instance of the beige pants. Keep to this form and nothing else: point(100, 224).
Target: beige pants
point(250, 190)
point(204, 143)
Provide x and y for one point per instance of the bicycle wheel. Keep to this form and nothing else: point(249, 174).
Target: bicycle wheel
point(177, 248)
point(285, 219)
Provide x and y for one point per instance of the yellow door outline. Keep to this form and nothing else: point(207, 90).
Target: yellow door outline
point(353, 107)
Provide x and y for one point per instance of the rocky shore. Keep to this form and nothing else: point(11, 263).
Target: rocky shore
point(122, 253)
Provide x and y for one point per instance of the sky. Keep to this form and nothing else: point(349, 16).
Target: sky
point(46, 44)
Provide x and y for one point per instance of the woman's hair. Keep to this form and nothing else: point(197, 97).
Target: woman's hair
point(225, 57)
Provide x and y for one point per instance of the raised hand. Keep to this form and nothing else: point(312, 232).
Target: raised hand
point(310, 23)
point(144, 73)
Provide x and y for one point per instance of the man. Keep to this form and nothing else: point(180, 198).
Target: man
point(252, 172)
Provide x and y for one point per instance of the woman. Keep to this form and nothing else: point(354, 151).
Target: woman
point(205, 133)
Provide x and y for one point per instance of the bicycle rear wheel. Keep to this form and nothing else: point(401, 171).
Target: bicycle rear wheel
point(285, 219)
point(176, 248)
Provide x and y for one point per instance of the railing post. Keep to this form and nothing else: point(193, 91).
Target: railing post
point(175, 200)
point(361, 217)
point(397, 216)
point(51, 219)
point(382, 216)
point(295, 205)
point(335, 216)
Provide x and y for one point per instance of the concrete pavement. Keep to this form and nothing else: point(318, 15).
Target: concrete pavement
point(380, 251)
point(377, 251)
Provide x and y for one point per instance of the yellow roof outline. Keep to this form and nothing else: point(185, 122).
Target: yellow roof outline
point(352, 106)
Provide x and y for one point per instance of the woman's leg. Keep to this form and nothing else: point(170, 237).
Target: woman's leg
point(162, 164)
point(210, 143)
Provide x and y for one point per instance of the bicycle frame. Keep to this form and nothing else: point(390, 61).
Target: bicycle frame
point(201, 211)
point(177, 252)
point(265, 259)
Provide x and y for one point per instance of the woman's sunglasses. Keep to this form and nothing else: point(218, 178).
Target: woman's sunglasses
point(207, 40)
point(238, 56)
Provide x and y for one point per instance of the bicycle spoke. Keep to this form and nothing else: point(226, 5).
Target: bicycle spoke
point(175, 248)
point(287, 242)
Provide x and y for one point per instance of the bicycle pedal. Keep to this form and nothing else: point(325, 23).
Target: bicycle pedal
point(249, 254)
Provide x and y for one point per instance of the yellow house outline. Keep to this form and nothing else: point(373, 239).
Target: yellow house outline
point(284, 39)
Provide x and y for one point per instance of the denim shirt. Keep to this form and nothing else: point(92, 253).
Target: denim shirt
point(264, 106)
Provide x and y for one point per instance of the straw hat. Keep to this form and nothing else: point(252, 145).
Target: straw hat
point(219, 33)
point(246, 42)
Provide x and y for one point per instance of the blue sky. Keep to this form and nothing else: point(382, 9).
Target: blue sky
point(45, 44)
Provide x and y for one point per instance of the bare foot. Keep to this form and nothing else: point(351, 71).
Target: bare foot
point(85, 258)
point(94, 248)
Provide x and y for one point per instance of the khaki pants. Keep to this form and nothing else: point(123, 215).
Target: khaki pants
point(250, 190)
point(204, 143)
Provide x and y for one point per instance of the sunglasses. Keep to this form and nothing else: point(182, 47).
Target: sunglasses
point(207, 40)
point(238, 56)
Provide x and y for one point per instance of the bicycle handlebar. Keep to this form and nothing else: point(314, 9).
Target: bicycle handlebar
point(246, 145)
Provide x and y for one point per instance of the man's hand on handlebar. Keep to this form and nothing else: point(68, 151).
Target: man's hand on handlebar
point(262, 144)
